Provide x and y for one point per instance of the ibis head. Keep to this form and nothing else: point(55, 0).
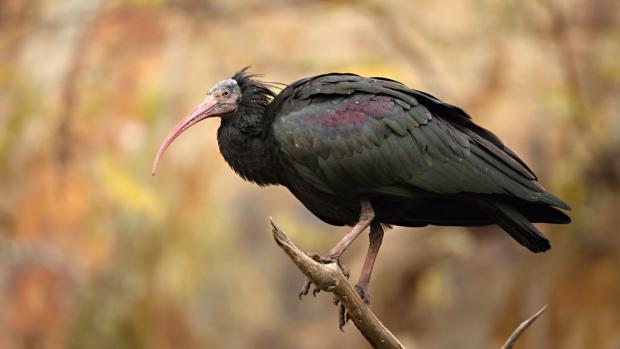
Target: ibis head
point(222, 100)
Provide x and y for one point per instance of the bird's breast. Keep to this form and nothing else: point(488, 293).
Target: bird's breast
point(251, 157)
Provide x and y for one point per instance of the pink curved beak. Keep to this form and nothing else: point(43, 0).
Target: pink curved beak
point(200, 113)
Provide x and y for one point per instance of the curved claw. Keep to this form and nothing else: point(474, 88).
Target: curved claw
point(305, 289)
point(343, 317)
point(363, 292)
point(344, 269)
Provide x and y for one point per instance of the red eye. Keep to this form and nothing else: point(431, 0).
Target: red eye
point(225, 93)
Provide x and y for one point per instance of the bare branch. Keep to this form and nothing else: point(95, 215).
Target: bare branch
point(519, 331)
point(328, 277)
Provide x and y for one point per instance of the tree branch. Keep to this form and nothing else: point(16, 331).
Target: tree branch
point(329, 277)
point(519, 331)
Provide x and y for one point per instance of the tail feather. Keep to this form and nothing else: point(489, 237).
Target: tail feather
point(518, 226)
point(553, 200)
point(539, 212)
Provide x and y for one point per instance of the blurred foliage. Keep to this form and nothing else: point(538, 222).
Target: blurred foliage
point(96, 253)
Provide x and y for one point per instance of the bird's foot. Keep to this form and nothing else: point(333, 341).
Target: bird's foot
point(362, 290)
point(343, 315)
point(305, 289)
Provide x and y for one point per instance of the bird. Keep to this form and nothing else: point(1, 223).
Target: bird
point(371, 152)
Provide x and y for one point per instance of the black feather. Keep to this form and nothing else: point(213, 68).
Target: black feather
point(335, 139)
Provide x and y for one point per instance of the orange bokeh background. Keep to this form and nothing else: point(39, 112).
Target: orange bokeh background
point(96, 253)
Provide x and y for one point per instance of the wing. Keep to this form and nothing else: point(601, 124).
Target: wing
point(346, 134)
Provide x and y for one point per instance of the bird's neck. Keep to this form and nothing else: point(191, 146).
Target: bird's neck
point(247, 149)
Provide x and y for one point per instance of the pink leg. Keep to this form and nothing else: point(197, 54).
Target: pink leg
point(367, 214)
point(376, 237)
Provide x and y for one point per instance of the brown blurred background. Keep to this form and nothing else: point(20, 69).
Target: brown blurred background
point(96, 253)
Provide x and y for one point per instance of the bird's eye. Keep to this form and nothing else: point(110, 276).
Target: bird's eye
point(225, 93)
